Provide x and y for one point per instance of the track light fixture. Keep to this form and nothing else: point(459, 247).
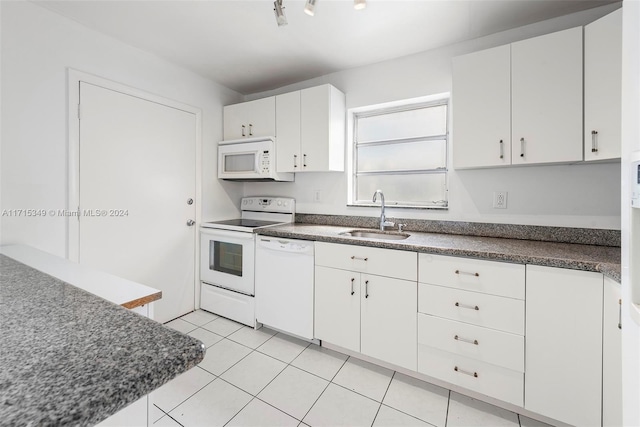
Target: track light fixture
point(310, 7)
point(278, 9)
point(359, 4)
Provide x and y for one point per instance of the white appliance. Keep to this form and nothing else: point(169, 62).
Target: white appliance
point(249, 159)
point(227, 257)
point(284, 285)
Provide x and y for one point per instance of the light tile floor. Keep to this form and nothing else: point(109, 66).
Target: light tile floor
point(264, 378)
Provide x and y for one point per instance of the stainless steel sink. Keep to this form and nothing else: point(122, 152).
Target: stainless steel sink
point(375, 234)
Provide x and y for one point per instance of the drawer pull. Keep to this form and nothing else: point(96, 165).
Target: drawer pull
point(359, 258)
point(366, 289)
point(470, 307)
point(467, 273)
point(474, 342)
point(462, 371)
point(352, 280)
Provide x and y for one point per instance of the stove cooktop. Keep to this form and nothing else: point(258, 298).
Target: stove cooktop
point(240, 223)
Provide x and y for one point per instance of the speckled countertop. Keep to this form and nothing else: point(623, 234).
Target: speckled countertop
point(605, 259)
point(68, 357)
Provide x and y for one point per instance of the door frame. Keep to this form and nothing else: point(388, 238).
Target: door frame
point(74, 77)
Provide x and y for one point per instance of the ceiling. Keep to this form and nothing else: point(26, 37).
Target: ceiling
point(238, 44)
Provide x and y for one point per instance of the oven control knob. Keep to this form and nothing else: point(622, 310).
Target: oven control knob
point(244, 202)
point(279, 203)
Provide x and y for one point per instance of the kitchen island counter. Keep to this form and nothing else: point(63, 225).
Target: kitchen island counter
point(604, 259)
point(69, 357)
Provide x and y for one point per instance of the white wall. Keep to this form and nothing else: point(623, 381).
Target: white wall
point(576, 196)
point(37, 47)
point(630, 143)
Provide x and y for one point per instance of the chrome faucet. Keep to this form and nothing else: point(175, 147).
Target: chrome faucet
point(383, 221)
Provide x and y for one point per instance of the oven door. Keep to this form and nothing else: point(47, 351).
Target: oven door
point(227, 259)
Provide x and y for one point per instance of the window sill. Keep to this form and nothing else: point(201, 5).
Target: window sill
point(397, 206)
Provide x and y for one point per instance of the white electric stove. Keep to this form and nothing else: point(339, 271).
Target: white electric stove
point(227, 256)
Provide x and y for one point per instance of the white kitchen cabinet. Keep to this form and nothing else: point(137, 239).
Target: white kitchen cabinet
point(546, 98)
point(388, 320)
point(612, 354)
point(603, 87)
point(337, 307)
point(482, 108)
point(250, 119)
point(519, 103)
point(471, 321)
point(310, 129)
point(371, 314)
point(564, 344)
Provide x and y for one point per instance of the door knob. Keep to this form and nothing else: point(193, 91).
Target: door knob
point(189, 201)
point(191, 223)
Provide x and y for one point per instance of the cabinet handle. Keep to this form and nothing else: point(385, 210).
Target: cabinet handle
point(352, 280)
point(470, 307)
point(594, 141)
point(366, 289)
point(243, 130)
point(458, 338)
point(250, 129)
point(467, 273)
point(619, 314)
point(359, 258)
point(462, 371)
point(304, 160)
point(501, 149)
point(521, 147)
point(295, 160)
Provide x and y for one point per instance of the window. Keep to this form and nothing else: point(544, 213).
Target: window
point(401, 149)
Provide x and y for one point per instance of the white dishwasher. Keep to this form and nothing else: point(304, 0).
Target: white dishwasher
point(284, 285)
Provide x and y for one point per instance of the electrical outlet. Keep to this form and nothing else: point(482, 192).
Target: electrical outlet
point(500, 200)
point(317, 196)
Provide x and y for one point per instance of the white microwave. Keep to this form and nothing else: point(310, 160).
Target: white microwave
point(249, 159)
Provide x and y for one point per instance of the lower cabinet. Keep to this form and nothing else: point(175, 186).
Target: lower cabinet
point(612, 354)
point(564, 345)
point(370, 314)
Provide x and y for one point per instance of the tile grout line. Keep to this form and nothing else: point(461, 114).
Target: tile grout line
point(446, 418)
point(383, 396)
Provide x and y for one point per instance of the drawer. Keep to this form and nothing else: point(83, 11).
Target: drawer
point(489, 277)
point(491, 380)
point(483, 344)
point(504, 314)
point(364, 259)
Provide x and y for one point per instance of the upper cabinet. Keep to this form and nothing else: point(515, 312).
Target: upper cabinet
point(546, 96)
point(482, 108)
point(602, 87)
point(310, 130)
point(250, 119)
point(519, 103)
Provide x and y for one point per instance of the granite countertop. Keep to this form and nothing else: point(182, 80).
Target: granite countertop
point(69, 357)
point(604, 259)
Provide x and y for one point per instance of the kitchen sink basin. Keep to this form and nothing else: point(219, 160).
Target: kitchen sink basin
point(376, 234)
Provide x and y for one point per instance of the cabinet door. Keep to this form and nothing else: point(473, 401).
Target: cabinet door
point(389, 320)
point(288, 132)
point(563, 345)
point(602, 87)
point(482, 108)
point(322, 129)
point(250, 119)
point(612, 355)
point(337, 307)
point(546, 98)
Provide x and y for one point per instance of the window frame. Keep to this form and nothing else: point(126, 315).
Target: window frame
point(387, 108)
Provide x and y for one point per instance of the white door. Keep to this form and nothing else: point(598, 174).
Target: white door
point(137, 173)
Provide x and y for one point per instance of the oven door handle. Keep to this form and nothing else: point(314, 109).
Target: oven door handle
point(230, 235)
